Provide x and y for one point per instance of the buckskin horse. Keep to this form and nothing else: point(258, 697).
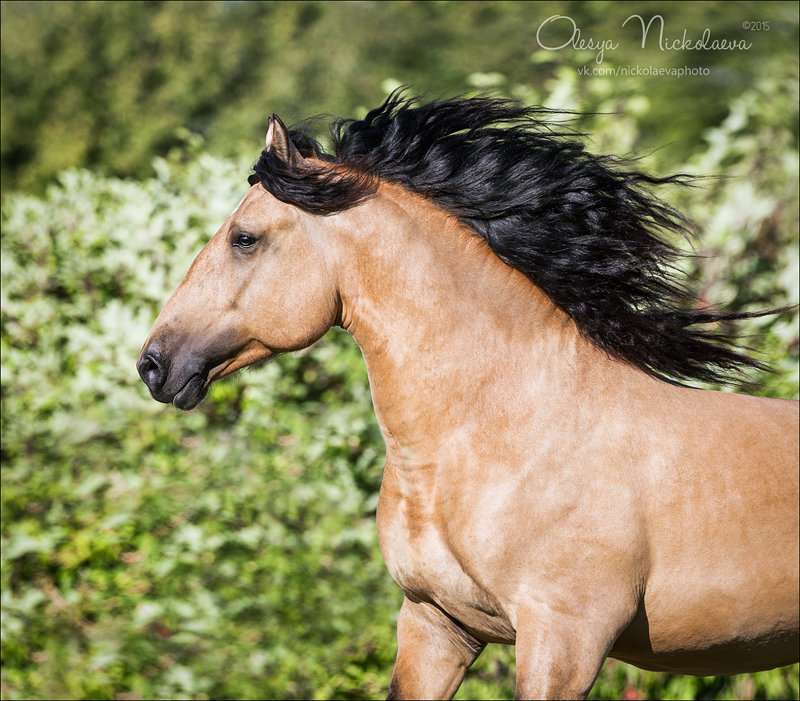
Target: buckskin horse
point(550, 482)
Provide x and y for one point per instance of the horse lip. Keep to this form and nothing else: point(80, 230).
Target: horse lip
point(191, 394)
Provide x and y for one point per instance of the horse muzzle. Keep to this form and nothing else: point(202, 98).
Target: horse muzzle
point(183, 385)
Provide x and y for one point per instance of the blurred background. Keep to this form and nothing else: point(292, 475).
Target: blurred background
point(230, 552)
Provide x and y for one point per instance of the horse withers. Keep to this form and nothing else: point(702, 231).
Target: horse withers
point(549, 482)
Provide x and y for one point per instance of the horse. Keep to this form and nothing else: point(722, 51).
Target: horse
point(551, 480)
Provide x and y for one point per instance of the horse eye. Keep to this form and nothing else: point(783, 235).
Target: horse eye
point(244, 241)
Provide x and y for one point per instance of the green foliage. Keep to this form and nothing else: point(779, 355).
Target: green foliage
point(227, 552)
point(152, 553)
point(110, 84)
point(231, 551)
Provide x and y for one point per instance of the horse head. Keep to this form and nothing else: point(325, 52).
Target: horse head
point(262, 285)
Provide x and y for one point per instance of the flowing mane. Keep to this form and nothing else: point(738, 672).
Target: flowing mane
point(584, 228)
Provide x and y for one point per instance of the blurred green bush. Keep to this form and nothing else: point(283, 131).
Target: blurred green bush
point(158, 554)
point(110, 84)
point(231, 551)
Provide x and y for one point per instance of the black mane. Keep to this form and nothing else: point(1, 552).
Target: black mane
point(581, 227)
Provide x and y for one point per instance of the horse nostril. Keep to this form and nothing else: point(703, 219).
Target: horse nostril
point(151, 370)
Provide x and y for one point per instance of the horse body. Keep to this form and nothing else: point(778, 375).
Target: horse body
point(595, 487)
point(537, 491)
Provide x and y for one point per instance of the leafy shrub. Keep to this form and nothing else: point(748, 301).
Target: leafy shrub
point(231, 551)
point(226, 552)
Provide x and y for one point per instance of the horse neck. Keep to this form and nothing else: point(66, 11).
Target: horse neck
point(447, 328)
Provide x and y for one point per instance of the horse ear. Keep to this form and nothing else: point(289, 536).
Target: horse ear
point(280, 144)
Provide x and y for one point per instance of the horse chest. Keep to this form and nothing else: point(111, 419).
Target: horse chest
point(427, 569)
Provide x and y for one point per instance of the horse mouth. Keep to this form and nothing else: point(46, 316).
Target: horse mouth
point(196, 387)
point(190, 395)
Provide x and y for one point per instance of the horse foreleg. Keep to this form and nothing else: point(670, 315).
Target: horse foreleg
point(433, 653)
point(559, 658)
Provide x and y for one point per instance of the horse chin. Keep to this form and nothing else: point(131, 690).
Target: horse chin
point(191, 394)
